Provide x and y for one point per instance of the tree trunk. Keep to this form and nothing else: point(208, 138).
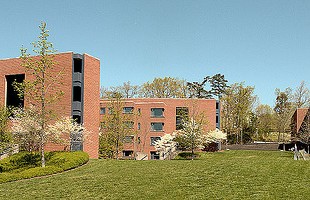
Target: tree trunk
point(42, 152)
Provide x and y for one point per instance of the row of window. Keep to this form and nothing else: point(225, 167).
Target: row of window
point(154, 154)
point(155, 112)
point(129, 139)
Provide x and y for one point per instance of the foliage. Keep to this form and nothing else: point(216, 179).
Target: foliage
point(219, 175)
point(217, 84)
point(214, 136)
point(197, 90)
point(42, 88)
point(127, 90)
point(26, 165)
point(190, 137)
point(5, 134)
point(27, 131)
point(301, 96)
point(115, 126)
point(166, 87)
point(265, 121)
point(166, 146)
point(284, 110)
point(187, 156)
point(237, 106)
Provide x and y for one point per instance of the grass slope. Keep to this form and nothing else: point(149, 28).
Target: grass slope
point(223, 175)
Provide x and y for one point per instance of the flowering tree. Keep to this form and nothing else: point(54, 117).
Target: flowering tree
point(191, 135)
point(213, 136)
point(166, 146)
point(27, 131)
point(42, 89)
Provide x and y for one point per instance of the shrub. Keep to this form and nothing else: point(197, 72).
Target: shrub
point(27, 165)
point(186, 156)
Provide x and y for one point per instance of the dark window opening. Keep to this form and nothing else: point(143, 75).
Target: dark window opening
point(154, 155)
point(157, 126)
point(102, 111)
point(217, 119)
point(157, 112)
point(128, 139)
point(154, 140)
point(12, 97)
point(128, 124)
point(77, 66)
point(181, 116)
point(128, 110)
point(217, 105)
point(77, 119)
point(127, 153)
point(139, 126)
point(77, 93)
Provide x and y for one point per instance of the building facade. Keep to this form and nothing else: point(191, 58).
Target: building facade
point(81, 87)
point(300, 122)
point(154, 117)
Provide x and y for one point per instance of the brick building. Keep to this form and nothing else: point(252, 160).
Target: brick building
point(155, 117)
point(300, 122)
point(80, 84)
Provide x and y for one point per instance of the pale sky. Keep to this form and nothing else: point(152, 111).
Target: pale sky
point(265, 43)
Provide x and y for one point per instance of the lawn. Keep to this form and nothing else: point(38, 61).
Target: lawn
point(222, 175)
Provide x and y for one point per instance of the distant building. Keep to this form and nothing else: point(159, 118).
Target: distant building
point(81, 86)
point(158, 116)
point(300, 122)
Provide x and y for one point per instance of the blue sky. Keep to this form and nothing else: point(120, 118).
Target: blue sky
point(265, 43)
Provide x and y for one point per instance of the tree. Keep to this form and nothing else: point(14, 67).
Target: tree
point(115, 126)
point(5, 135)
point(166, 87)
point(197, 90)
point(284, 109)
point(265, 121)
point(218, 85)
point(237, 107)
point(301, 96)
point(190, 137)
point(166, 146)
point(26, 129)
point(126, 91)
point(42, 88)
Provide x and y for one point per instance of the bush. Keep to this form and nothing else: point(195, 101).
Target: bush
point(27, 165)
point(186, 156)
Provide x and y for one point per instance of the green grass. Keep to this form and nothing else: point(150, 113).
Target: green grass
point(25, 165)
point(222, 175)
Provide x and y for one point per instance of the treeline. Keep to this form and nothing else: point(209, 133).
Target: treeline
point(168, 87)
point(243, 118)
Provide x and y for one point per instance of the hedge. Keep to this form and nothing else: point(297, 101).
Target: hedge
point(27, 165)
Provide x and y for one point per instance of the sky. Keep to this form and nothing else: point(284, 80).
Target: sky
point(263, 43)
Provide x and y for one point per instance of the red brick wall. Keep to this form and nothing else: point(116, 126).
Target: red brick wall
point(205, 106)
point(63, 106)
point(91, 104)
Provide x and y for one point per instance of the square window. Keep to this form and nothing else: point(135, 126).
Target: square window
point(157, 112)
point(128, 110)
point(154, 155)
point(127, 153)
point(128, 139)
point(157, 126)
point(129, 124)
point(153, 140)
point(102, 111)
